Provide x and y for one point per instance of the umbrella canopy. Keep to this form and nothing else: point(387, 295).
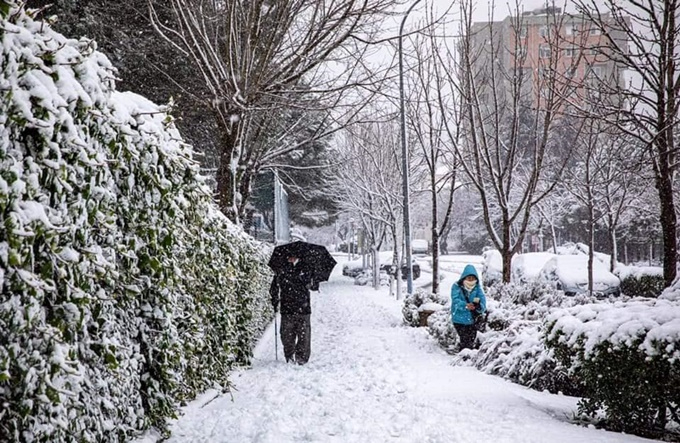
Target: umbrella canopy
point(316, 257)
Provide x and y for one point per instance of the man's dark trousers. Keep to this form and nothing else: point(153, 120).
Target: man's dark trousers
point(296, 336)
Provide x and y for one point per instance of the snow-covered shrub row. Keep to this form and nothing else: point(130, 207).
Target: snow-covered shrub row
point(123, 290)
point(627, 357)
point(512, 347)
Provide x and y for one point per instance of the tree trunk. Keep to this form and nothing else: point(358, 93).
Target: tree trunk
point(376, 267)
point(230, 152)
point(244, 181)
point(668, 228)
point(435, 238)
point(395, 260)
point(507, 252)
point(553, 237)
point(444, 249)
point(591, 247)
point(615, 251)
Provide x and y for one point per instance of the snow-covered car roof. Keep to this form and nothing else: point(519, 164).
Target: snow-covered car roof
point(571, 273)
point(526, 267)
point(419, 245)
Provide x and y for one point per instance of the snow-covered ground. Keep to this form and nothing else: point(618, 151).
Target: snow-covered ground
point(371, 379)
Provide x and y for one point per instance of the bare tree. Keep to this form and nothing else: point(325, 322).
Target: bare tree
point(511, 125)
point(368, 184)
point(551, 210)
point(644, 39)
point(622, 183)
point(437, 155)
point(265, 55)
point(588, 174)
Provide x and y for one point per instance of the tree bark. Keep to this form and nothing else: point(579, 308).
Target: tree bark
point(668, 227)
point(435, 237)
point(227, 189)
point(507, 251)
point(615, 250)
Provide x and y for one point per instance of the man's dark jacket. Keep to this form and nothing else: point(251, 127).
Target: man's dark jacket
point(290, 286)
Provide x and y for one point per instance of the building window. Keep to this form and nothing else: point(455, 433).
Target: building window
point(521, 52)
point(571, 72)
point(545, 76)
point(596, 71)
point(591, 51)
point(571, 29)
point(595, 31)
point(521, 73)
point(543, 31)
point(571, 52)
point(521, 32)
point(544, 51)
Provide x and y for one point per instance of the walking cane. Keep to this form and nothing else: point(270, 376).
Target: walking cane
point(276, 339)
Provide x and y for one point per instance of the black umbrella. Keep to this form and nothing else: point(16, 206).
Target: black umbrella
point(316, 257)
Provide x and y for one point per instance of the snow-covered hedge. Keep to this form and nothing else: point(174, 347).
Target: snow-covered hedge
point(621, 355)
point(641, 281)
point(627, 357)
point(512, 347)
point(123, 290)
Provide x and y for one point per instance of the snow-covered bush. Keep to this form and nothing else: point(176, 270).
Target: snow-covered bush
point(672, 293)
point(643, 286)
point(518, 354)
point(440, 327)
point(637, 281)
point(512, 347)
point(414, 303)
point(627, 357)
point(123, 290)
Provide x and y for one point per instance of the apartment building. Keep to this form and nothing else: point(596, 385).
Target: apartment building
point(543, 52)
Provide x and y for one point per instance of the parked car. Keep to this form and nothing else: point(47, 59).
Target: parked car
point(387, 267)
point(569, 273)
point(526, 267)
point(355, 267)
point(419, 246)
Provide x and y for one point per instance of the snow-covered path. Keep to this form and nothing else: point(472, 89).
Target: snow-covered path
point(371, 379)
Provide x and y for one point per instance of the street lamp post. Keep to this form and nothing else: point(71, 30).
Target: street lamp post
point(404, 158)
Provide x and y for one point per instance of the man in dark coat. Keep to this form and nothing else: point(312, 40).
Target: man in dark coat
point(290, 287)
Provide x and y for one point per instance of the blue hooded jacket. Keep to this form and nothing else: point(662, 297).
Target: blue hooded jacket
point(459, 313)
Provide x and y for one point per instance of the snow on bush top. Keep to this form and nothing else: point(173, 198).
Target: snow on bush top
point(672, 293)
point(656, 323)
point(637, 272)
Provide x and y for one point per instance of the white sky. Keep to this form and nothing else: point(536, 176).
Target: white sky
point(372, 379)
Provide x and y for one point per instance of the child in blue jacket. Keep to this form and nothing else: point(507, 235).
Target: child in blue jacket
point(467, 296)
